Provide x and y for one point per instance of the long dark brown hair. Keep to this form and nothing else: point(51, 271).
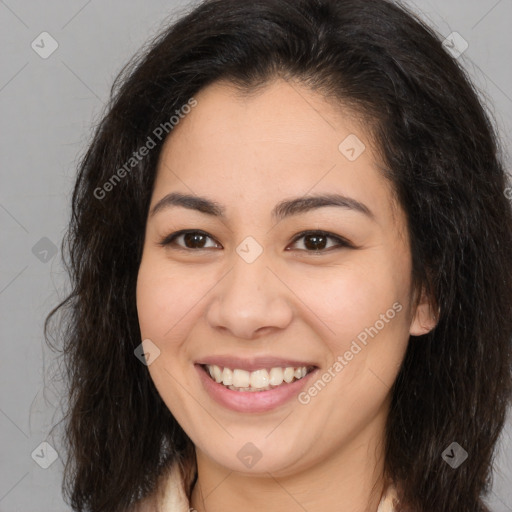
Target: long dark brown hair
point(442, 154)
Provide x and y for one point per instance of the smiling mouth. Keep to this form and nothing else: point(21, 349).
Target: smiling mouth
point(264, 379)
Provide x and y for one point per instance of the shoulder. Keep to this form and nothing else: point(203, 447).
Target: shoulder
point(170, 493)
point(389, 500)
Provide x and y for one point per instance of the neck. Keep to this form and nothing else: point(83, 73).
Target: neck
point(350, 478)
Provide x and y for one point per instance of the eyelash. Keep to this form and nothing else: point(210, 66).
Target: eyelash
point(341, 242)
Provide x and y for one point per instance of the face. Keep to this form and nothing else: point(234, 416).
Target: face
point(232, 284)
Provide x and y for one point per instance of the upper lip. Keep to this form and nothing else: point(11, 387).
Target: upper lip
point(253, 363)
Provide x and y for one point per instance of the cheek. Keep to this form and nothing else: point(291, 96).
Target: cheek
point(366, 342)
point(165, 308)
point(365, 308)
point(166, 298)
point(170, 302)
point(355, 299)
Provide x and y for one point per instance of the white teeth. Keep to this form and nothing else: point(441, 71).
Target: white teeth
point(227, 377)
point(288, 374)
point(217, 373)
point(241, 378)
point(259, 380)
point(276, 376)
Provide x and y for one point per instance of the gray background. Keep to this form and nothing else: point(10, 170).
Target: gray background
point(48, 108)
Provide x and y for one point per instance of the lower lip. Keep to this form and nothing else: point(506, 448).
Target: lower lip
point(252, 401)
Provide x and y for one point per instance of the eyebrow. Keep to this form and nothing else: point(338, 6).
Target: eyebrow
point(286, 208)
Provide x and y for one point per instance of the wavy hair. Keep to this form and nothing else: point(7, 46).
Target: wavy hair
point(440, 150)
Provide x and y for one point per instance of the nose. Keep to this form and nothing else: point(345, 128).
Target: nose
point(250, 301)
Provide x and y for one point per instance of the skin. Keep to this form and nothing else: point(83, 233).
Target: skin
point(248, 153)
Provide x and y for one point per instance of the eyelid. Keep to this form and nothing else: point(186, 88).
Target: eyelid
point(342, 242)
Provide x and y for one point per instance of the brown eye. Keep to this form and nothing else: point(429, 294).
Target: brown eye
point(194, 240)
point(317, 241)
point(191, 240)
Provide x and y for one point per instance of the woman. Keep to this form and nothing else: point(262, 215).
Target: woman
point(290, 252)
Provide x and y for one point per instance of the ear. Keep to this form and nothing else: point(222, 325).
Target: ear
point(425, 317)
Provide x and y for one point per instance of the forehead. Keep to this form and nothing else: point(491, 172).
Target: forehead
point(283, 140)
